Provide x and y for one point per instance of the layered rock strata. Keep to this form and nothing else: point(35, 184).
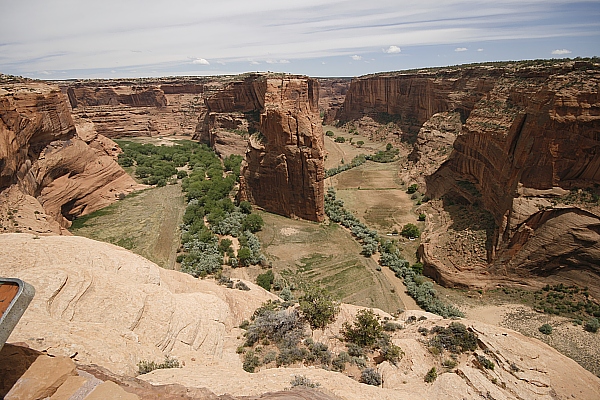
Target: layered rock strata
point(139, 107)
point(529, 141)
point(49, 174)
point(283, 171)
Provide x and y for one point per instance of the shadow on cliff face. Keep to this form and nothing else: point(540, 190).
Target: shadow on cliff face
point(470, 216)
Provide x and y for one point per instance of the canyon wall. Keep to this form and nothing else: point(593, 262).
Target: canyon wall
point(139, 107)
point(283, 171)
point(528, 152)
point(49, 173)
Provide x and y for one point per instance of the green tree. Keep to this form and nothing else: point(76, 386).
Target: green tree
point(340, 139)
point(253, 223)
point(244, 255)
point(318, 307)
point(365, 331)
point(410, 231)
point(224, 246)
point(245, 207)
point(329, 133)
point(265, 280)
point(360, 143)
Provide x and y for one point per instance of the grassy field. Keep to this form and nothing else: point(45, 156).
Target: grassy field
point(145, 223)
point(328, 255)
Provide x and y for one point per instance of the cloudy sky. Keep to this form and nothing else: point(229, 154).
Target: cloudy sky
point(63, 39)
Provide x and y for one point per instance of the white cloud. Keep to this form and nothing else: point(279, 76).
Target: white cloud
point(392, 50)
point(254, 63)
point(461, 49)
point(480, 50)
point(561, 52)
point(356, 57)
point(278, 62)
point(200, 61)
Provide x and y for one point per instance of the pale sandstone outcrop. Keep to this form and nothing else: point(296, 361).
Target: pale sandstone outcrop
point(46, 167)
point(283, 171)
point(139, 311)
point(42, 379)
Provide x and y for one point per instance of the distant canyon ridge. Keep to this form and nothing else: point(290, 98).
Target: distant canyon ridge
point(516, 143)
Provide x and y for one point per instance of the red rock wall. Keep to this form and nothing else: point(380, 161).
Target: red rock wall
point(283, 171)
point(46, 168)
point(531, 134)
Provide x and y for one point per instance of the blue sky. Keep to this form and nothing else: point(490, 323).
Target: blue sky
point(64, 39)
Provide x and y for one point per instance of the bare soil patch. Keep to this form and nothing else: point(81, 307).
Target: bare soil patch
point(336, 152)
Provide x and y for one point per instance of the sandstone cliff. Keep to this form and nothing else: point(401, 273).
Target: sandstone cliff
point(283, 171)
point(139, 107)
point(529, 140)
point(139, 311)
point(48, 173)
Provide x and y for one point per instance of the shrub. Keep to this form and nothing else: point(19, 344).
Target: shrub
point(329, 133)
point(422, 217)
point(391, 326)
point(340, 139)
point(370, 377)
point(286, 294)
point(241, 286)
point(431, 375)
point(365, 331)
point(251, 361)
point(245, 207)
point(410, 231)
point(318, 307)
point(592, 325)
point(339, 363)
point(546, 329)
point(455, 338)
point(303, 381)
point(360, 143)
point(265, 280)
point(412, 188)
point(487, 364)
point(148, 366)
point(449, 363)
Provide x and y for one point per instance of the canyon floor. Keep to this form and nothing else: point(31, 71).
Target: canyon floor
point(302, 251)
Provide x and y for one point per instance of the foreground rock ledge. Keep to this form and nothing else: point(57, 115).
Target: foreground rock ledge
point(101, 304)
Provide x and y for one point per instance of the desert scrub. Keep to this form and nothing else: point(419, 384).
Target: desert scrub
point(454, 338)
point(145, 366)
point(251, 361)
point(318, 307)
point(484, 362)
point(431, 375)
point(367, 333)
point(303, 381)
point(546, 329)
point(370, 377)
point(592, 325)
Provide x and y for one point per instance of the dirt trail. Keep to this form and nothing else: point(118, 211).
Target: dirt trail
point(409, 302)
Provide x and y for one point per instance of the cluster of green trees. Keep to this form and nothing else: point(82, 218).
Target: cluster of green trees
point(385, 156)
point(356, 161)
point(157, 165)
point(208, 187)
point(336, 212)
